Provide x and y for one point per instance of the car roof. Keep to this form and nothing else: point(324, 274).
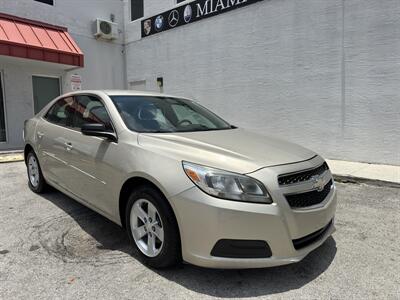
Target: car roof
point(121, 93)
point(132, 93)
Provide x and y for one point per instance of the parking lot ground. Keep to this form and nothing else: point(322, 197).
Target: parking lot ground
point(52, 247)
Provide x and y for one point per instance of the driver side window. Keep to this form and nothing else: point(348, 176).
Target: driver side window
point(90, 110)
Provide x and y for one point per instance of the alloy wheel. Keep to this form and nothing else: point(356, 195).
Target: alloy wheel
point(146, 226)
point(33, 171)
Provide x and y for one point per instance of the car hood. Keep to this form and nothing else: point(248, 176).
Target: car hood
point(234, 150)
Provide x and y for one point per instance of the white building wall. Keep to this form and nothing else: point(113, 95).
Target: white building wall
point(104, 61)
point(324, 74)
point(18, 95)
point(372, 80)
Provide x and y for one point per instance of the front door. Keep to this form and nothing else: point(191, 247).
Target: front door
point(45, 89)
point(89, 156)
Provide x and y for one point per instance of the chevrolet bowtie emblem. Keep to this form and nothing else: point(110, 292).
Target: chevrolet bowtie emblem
point(318, 182)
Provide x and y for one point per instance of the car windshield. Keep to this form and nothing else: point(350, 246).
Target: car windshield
point(164, 114)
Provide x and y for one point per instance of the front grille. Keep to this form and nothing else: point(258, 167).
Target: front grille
point(309, 198)
point(311, 238)
point(301, 176)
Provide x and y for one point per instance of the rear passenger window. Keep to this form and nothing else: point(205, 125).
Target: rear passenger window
point(90, 109)
point(61, 113)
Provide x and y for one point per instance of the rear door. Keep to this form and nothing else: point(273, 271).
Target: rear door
point(53, 133)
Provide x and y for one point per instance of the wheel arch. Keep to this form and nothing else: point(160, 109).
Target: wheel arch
point(28, 148)
point(134, 182)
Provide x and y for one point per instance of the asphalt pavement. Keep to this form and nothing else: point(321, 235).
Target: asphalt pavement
point(52, 247)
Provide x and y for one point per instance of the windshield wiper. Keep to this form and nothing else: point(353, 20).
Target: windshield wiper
point(202, 128)
point(157, 131)
point(193, 127)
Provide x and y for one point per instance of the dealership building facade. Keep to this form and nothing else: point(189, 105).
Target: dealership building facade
point(324, 74)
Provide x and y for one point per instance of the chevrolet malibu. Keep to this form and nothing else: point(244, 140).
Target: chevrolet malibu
point(185, 184)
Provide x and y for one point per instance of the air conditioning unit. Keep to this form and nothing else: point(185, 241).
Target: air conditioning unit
point(105, 29)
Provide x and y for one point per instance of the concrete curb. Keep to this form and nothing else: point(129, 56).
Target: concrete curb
point(376, 174)
point(11, 157)
point(369, 181)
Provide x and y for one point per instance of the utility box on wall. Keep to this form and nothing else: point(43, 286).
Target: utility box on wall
point(105, 29)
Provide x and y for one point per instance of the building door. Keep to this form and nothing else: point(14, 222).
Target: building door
point(45, 89)
point(2, 112)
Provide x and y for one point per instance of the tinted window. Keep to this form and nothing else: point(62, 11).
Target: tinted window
point(61, 113)
point(162, 114)
point(50, 2)
point(136, 9)
point(89, 109)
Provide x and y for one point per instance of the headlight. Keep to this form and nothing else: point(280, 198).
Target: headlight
point(227, 185)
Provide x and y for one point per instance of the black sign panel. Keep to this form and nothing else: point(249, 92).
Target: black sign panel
point(189, 13)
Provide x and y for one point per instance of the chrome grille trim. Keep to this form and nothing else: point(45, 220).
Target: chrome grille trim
point(307, 188)
point(309, 199)
point(301, 176)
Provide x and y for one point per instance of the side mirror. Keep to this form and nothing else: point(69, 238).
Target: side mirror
point(97, 129)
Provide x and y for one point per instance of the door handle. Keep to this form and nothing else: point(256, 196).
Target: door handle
point(40, 134)
point(68, 146)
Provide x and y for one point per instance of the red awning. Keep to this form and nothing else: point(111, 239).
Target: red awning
point(36, 40)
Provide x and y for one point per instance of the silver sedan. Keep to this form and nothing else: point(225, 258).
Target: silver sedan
point(185, 184)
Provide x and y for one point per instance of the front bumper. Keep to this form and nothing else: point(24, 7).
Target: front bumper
point(204, 220)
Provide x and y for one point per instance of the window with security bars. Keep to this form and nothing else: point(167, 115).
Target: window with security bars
point(136, 9)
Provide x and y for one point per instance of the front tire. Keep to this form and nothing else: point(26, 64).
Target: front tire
point(152, 228)
point(36, 180)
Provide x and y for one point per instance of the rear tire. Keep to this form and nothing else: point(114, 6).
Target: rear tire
point(152, 228)
point(36, 180)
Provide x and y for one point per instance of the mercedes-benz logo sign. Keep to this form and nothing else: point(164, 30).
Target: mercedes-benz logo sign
point(187, 13)
point(173, 18)
point(159, 23)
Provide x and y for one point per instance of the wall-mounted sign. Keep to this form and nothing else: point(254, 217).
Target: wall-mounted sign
point(76, 82)
point(189, 13)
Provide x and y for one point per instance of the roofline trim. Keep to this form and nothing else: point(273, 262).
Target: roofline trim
point(33, 22)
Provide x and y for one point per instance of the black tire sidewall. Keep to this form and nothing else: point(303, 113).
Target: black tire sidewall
point(170, 254)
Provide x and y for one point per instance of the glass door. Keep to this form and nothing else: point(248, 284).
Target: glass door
point(2, 112)
point(45, 89)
